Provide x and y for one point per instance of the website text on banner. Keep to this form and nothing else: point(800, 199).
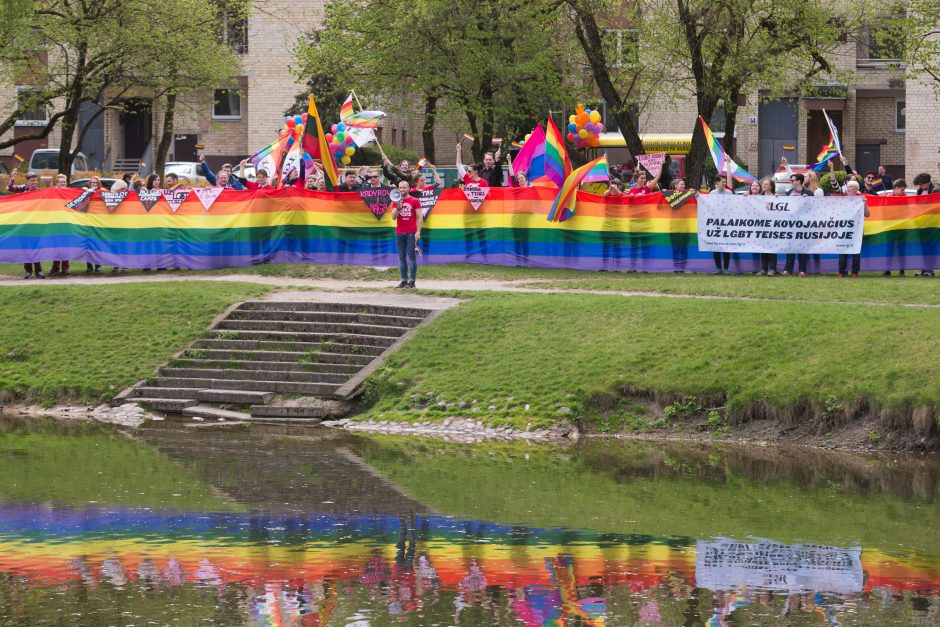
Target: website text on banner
point(780, 224)
point(242, 228)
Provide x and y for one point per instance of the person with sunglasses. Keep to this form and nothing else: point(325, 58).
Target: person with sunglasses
point(797, 179)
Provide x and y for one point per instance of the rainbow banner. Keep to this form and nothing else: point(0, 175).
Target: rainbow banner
point(245, 228)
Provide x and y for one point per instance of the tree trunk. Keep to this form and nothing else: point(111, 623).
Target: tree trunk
point(163, 148)
point(476, 150)
point(427, 131)
point(70, 113)
point(589, 35)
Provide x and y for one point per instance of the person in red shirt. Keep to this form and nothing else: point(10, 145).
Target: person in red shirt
point(470, 174)
point(642, 187)
point(261, 181)
point(408, 222)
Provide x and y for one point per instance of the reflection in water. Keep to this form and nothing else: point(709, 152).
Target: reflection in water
point(281, 530)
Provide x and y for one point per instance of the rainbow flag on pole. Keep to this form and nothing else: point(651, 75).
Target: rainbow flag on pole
point(531, 157)
point(362, 119)
point(831, 150)
point(557, 163)
point(19, 157)
point(467, 137)
point(270, 157)
point(718, 156)
point(564, 205)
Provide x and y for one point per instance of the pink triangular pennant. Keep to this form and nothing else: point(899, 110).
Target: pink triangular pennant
point(476, 195)
point(207, 195)
point(175, 197)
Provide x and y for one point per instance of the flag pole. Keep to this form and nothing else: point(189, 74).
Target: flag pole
point(377, 142)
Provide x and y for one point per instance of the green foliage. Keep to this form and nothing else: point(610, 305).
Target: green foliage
point(825, 179)
point(370, 155)
point(95, 341)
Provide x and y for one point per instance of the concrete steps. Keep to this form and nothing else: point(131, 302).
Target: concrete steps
point(288, 361)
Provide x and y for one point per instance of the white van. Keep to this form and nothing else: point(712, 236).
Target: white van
point(48, 159)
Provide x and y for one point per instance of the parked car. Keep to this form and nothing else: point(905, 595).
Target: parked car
point(249, 172)
point(189, 170)
point(48, 159)
point(106, 183)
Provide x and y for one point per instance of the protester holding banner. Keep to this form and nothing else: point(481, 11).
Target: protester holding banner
point(234, 183)
point(897, 243)
point(924, 186)
point(32, 184)
point(470, 175)
point(94, 184)
point(851, 189)
point(261, 181)
point(408, 222)
point(722, 182)
point(420, 181)
point(811, 178)
point(796, 180)
point(349, 182)
point(768, 261)
point(642, 186)
point(883, 182)
point(492, 171)
point(60, 268)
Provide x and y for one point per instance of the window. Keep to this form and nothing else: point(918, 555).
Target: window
point(235, 32)
point(404, 138)
point(621, 47)
point(883, 43)
point(34, 114)
point(226, 105)
point(900, 122)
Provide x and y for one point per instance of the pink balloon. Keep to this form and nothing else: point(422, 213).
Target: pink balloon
point(333, 128)
point(600, 127)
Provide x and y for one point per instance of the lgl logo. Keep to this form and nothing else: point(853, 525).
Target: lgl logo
point(777, 206)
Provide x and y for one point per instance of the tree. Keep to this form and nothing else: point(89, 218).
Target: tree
point(914, 36)
point(713, 52)
point(77, 53)
point(490, 62)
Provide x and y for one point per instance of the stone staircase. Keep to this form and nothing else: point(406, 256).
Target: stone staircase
point(269, 361)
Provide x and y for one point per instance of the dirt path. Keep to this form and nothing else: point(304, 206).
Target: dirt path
point(348, 285)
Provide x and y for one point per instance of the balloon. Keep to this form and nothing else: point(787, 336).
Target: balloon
point(346, 160)
point(571, 119)
point(329, 137)
point(600, 128)
point(290, 141)
point(300, 129)
point(595, 117)
point(341, 126)
point(571, 137)
point(334, 128)
point(527, 136)
point(595, 141)
point(583, 134)
point(579, 108)
point(290, 122)
point(298, 119)
point(582, 118)
point(303, 116)
point(349, 151)
point(572, 127)
point(307, 156)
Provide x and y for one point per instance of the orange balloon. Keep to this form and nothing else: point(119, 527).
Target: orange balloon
point(582, 119)
point(579, 108)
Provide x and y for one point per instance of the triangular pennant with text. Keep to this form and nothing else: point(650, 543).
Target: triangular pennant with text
point(376, 199)
point(149, 197)
point(476, 195)
point(652, 162)
point(175, 197)
point(81, 202)
point(428, 198)
point(113, 199)
point(207, 195)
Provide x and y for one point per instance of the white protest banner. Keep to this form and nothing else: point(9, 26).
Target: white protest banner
point(149, 197)
point(653, 163)
point(780, 224)
point(113, 199)
point(175, 197)
point(207, 195)
point(476, 195)
point(726, 564)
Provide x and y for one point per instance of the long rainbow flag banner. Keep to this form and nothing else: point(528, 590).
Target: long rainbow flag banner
point(242, 228)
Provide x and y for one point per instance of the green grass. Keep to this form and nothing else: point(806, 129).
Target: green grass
point(867, 289)
point(77, 463)
point(89, 342)
point(638, 488)
point(561, 350)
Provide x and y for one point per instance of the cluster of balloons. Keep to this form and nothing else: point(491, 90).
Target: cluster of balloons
point(584, 128)
point(341, 143)
point(295, 125)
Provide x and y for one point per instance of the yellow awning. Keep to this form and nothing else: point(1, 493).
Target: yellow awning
point(670, 143)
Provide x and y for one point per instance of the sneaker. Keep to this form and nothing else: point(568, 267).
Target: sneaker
point(802, 274)
point(886, 273)
point(761, 273)
point(40, 275)
point(855, 275)
point(29, 275)
point(401, 285)
point(771, 273)
point(115, 269)
point(841, 275)
point(717, 272)
point(411, 284)
point(786, 273)
point(89, 270)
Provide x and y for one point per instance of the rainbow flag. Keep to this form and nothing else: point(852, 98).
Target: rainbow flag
point(19, 158)
point(516, 145)
point(564, 205)
point(531, 157)
point(270, 157)
point(718, 156)
point(362, 119)
point(497, 141)
point(423, 163)
point(467, 137)
point(557, 164)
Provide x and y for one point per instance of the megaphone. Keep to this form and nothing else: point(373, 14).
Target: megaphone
point(395, 195)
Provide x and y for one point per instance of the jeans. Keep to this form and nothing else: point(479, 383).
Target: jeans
point(802, 259)
point(719, 257)
point(768, 262)
point(844, 263)
point(407, 259)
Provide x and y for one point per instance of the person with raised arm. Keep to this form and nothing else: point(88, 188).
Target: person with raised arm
point(408, 221)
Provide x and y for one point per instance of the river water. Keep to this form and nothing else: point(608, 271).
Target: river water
point(187, 526)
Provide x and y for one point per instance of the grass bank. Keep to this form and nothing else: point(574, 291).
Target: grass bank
point(86, 343)
point(641, 364)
